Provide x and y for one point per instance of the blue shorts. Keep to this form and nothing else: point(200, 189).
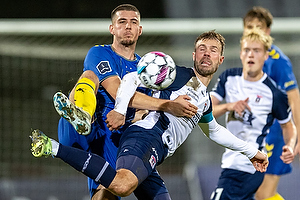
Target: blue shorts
point(237, 185)
point(98, 142)
point(140, 151)
point(274, 144)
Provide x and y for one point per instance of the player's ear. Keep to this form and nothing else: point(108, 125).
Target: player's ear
point(111, 29)
point(268, 31)
point(194, 54)
point(141, 30)
point(221, 59)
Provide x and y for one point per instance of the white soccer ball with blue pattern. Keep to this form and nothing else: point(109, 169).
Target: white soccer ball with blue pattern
point(156, 70)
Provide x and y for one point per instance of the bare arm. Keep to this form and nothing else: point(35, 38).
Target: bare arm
point(289, 135)
point(221, 109)
point(126, 95)
point(294, 101)
point(179, 107)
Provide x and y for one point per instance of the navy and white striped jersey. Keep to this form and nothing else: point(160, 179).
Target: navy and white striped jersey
point(266, 101)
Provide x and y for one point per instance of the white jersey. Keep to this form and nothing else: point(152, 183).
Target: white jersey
point(177, 129)
point(266, 101)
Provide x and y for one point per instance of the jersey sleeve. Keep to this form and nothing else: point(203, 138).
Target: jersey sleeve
point(225, 138)
point(219, 90)
point(281, 109)
point(126, 90)
point(101, 62)
point(207, 115)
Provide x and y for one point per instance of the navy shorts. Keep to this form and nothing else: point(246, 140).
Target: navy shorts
point(140, 151)
point(237, 185)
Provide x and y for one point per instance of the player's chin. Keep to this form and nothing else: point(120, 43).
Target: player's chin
point(128, 42)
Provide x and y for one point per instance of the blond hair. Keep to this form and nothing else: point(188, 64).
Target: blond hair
point(257, 34)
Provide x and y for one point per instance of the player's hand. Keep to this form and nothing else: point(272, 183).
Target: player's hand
point(240, 106)
point(181, 107)
point(287, 155)
point(260, 161)
point(114, 120)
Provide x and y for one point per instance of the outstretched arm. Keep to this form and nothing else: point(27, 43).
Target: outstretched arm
point(225, 138)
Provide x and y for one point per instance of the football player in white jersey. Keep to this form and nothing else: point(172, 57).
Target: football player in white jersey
point(253, 101)
point(146, 143)
point(279, 67)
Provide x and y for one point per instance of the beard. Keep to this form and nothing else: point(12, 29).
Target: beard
point(127, 42)
point(205, 71)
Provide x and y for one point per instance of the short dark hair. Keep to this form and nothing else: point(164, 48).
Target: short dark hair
point(262, 14)
point(127, 7)
point(212, 35)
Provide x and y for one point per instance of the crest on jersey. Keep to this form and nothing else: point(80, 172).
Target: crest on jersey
point(104, 67)
point(258, 97)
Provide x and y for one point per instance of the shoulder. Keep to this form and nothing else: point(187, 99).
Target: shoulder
point(276, 54)
point(101, 48)
point(270, 83)
point(183, 75)
point(231, 72)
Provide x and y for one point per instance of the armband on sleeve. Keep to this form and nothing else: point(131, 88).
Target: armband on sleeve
point(126, 90)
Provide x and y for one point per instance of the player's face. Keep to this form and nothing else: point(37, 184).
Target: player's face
point(253, 56)
point(207, 57)
point(126, 27)
point(255, 23)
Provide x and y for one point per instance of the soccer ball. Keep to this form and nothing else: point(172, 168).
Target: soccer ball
point(156, 70)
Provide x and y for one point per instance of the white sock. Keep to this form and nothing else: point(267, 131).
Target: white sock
point(55, 146)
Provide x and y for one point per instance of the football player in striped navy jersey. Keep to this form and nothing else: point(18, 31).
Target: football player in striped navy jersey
point(146, 143)
point(279, 67)
point(252, 102)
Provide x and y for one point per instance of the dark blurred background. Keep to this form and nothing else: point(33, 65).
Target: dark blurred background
point(148, 9)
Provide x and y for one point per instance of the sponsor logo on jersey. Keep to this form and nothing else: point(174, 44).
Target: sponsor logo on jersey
point(152, 161)
point(86, 163)
point(287, 84)
point(104, 67)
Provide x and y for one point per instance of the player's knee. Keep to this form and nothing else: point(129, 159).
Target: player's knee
point(90, 75)
point(124, 190)
point(124, 184)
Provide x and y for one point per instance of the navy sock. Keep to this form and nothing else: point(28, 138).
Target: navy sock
point(92, 165)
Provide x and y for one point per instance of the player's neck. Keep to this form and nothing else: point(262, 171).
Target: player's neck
point(124, 51)
point(253, 76)
point(204, 79)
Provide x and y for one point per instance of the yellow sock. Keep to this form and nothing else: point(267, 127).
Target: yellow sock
point(84, 96)
point(275, 197)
